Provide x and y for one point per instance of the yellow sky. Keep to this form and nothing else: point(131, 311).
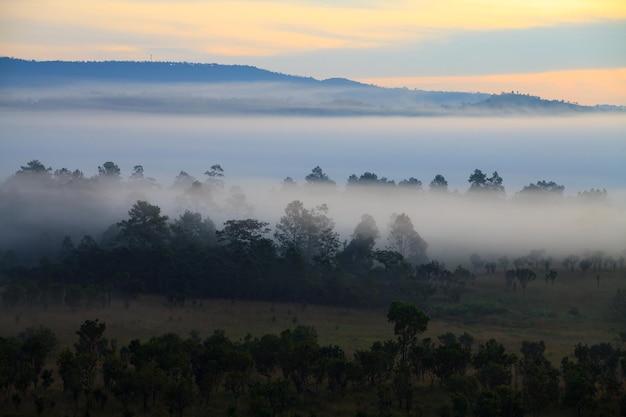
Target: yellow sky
point(586, 87)
point(277, 27)
point(242, 31)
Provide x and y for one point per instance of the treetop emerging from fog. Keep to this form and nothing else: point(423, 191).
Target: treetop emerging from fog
point(318, 219)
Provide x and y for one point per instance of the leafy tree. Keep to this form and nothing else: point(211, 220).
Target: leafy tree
point(69, 368)
point(450, 358)
point(408, 321)
point(138, 179)
point(463, 390)
point(150, 381)
point(570, 262)
point(209, 363)
point(37, 343)
point(367, 178)
point(65, 177)
point(191, 229)
point(288, 184)
point(309, 232)
point(183, 181)
point(145, 226)
point(318, 177)
point(542, 189)
point(594, 195)
point(356, 255)
point(580, 390)
point(246, 255)
point(490, 267)
point(179, 394)
point(215, 177)
point(540, 380)
point(271, 398)
point(137, 173)
point(405, 240)
point(371, 179)
point(480, 183)
point(429, 278)
point(439, 184)
point(411, 183)
point(478, 180)
point(339, 372)
point(90, 349)
point(240, 235)
point(524, 276)
point(34, 167)
point(266, 353)
point(109, 170)
point(378, 362)
point(299, 354)
point(493, 365)
point(239, 365)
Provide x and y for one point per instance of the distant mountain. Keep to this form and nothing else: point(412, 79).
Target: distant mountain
point(47, 73)
point(216, 88)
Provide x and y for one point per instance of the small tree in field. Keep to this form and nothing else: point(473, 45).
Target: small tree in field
point(408, 321)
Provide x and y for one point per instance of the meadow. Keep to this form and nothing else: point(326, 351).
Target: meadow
point(575, 309)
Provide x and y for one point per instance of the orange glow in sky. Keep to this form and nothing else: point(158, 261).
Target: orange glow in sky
point(586, 87)
point(389, 41)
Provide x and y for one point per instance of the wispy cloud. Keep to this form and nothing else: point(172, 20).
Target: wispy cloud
point(322, 38)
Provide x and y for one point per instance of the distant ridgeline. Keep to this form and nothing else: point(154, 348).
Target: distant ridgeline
point(334, 96)
point(27, 73)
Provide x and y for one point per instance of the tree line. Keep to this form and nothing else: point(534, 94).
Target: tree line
point(290, 372)
point(479, 182)
point(300, 260)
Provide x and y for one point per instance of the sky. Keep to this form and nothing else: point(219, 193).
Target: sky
point(573, 50)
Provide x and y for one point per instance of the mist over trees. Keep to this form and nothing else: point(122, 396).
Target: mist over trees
point(82, 243)
point(104, 235)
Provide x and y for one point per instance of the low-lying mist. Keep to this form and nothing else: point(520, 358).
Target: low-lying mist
point(258, 153)
point(39, 215)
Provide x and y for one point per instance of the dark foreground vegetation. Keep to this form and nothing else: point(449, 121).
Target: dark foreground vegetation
point(459, 371)
point(290, 373)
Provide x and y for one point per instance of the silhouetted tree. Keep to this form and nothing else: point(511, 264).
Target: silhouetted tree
point(480, 183)
point(309, 232)
point(405, 240)
point(145, 226)
point(408, 322)
point(109, 171)
point(570, 262)
point(493, 365)
point(540, 380)
point(318, 177)
point(541, 190)
point(439, 184)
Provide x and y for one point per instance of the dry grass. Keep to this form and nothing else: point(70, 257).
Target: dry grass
point(541, 313)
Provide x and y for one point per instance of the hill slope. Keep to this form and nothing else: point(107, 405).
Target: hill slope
point(215, 88)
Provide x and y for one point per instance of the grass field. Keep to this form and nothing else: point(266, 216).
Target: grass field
point(575, 310)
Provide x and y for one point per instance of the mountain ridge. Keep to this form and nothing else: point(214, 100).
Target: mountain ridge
point(205, 88)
